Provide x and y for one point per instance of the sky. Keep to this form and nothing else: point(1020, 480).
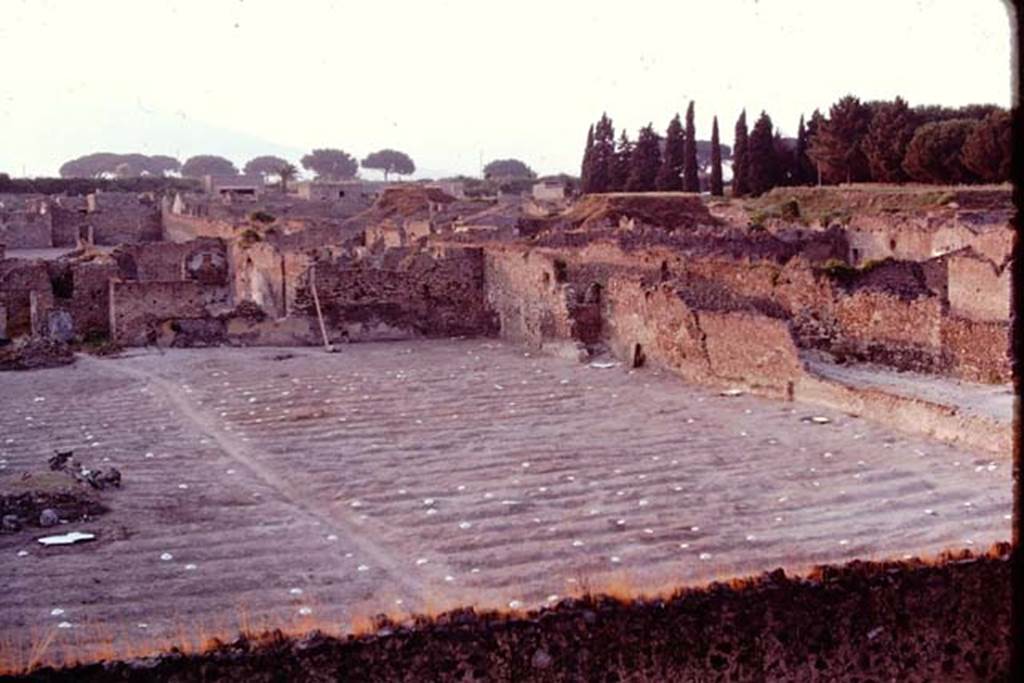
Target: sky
point(456, 82)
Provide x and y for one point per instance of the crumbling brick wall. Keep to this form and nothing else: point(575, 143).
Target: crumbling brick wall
point(123, 218)
point(978, 289)
point(977, 351)
point(203, 259)
point(402, 293)
point(528, 292)
point(183, 228)
point(654, 323)
point(141, 311)
point(26, 229)
point(81, 289)
point(20, 282)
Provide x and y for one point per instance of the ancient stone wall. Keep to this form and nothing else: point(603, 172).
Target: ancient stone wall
point(67, 218)
point(20, 282)
point(977, 351)
point(183, 228)
point(26, 229)
point(528, 294)
point(142, 312)
point(978, 289)
point(402, 293)
point(82, 292)
point(653, 323)
point(203, 259)
point(123, 218)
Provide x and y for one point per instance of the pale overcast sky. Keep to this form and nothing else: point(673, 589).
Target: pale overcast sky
point(449, 81)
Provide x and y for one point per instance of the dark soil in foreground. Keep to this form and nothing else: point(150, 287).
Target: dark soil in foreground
point(859, 622)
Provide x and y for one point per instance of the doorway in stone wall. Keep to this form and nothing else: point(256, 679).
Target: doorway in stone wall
point(639, 358)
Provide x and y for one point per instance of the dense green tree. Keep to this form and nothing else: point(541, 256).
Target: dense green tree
point(813, 126)
point(802, 166)
point(933, 155)
point(330, 164)
point(602, 156)
point(691, 183)
point(987, 149)
point(670, 175)
point(929, 113)
point(762, 161)
point(265, 166)
point(619, 174)
point(390, 161)
point(207, 164)
point(588, 161)
point(108, 164)
point(836, 145)
point(645, 161)
point(716, 160)
point(740, 187)
point(786, 169)
point(161, 165)
point(888, 135)
point(508, 169)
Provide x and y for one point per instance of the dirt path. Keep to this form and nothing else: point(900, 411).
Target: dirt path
point(246, 456)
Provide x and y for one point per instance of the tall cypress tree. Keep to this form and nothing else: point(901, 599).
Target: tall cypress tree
point(813, 126)
point(670, 178)
point(588, 161)
point(716, 160)
point(645, 161)
point(603, 155)
point(620, 164)
point(739, 158)
point(691, 183)
point(762, 162)
point(801, 163)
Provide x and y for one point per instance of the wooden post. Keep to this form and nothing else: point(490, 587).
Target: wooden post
point(319, 315)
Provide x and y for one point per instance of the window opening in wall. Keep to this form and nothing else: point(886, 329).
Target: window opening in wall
point(892, 244)
point(561, 271)
point(63, 284)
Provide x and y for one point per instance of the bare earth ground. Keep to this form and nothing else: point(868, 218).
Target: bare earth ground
point(292, 484)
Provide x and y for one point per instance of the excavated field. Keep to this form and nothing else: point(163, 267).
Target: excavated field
point(298, 488)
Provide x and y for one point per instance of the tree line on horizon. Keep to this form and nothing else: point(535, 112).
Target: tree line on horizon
point(879, 141)
point(325, 163)
point(677, 162)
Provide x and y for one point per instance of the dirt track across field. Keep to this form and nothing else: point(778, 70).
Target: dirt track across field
point(281, 485)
